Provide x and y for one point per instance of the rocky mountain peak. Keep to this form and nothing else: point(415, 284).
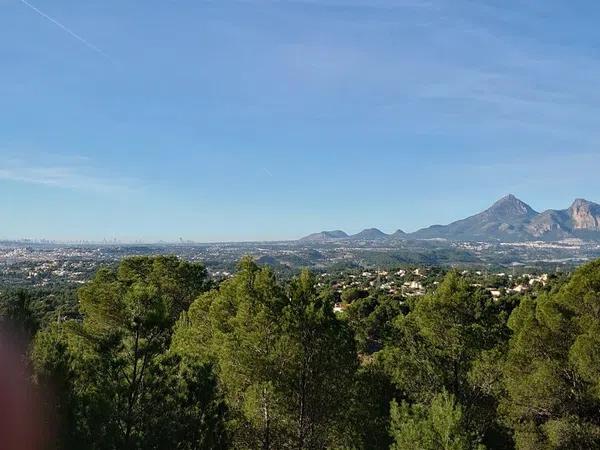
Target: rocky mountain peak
point(585, 215)
point(510, 207)
point(582, 203)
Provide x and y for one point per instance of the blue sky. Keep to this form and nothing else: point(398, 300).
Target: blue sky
point(264, 119)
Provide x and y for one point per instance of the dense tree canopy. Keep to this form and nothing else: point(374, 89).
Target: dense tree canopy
point(552, 372)
point(285, 362)
point(153, 355)
point(438, 346)
point(117, 386)
point(436, 426)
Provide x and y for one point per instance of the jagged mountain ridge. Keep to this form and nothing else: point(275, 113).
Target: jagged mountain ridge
point(507, 220)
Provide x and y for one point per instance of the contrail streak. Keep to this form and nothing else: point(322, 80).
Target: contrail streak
point(65, 29)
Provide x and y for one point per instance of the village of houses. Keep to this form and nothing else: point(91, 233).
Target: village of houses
point(419, 281)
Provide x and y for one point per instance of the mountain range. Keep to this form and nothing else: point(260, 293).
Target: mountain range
point(507, 220)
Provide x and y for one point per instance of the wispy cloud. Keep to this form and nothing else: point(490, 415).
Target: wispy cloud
point(73, 176)
point(67, 30)
point(462, 68)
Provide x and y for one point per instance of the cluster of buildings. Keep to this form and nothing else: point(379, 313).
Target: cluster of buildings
point(404, 282)
point(520, 285)
point(418, 281)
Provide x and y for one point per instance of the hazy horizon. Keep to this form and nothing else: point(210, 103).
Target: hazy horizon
point(181, 240)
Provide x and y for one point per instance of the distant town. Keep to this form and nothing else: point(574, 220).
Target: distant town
point(46, 264)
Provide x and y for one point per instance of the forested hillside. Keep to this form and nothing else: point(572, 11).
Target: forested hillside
point(154, 355)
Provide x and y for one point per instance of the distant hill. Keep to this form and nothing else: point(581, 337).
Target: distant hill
point(325, 236)
point(370, 234)
point(398, 234)
point(507, 220)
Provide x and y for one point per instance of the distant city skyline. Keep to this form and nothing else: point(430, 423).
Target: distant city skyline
point(269, 120)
